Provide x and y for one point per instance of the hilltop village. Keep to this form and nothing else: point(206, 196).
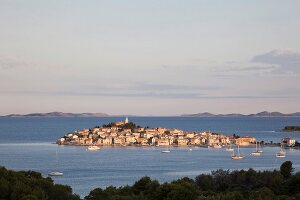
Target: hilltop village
point(129, 134)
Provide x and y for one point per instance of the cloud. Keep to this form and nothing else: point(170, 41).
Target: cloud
point(155, 90)
point(254, 68)
point(250, 68)
point(172, 87)
point(146, 89)
point(12, 63)
point(285, 60)
point(154, 94)
point(163, 95)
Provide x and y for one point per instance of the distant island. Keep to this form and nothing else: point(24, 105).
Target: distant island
point(291, 128)
point(260, 114)
point(204, 114)
point(59, 114)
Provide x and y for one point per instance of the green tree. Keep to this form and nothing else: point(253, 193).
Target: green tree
point(97, 194)
point(263, 194)
point(204, 182)
point(286, 169)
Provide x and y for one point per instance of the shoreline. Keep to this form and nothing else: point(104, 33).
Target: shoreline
point(179, 146)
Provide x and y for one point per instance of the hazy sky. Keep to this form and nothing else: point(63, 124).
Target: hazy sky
point(157, 57)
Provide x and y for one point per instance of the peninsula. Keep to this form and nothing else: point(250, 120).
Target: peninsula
point(292, 128)
point(129, 134)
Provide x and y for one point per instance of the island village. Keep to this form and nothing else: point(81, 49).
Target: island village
point(128, 134)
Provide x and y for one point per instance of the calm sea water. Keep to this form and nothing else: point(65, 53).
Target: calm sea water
point(27, 144)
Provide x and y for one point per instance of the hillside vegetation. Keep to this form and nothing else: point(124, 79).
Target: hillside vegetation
point(249, 184)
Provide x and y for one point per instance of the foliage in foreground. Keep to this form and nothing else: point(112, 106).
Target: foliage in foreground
point(219, 185)
point(30, 185)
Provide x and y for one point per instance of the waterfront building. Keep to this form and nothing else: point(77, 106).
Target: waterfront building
point(290, 142)
point(245, 141)
point(116, 135)
point(163, 142)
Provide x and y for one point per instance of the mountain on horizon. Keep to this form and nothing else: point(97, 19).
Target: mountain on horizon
point(204, 114)
point(260, 114)
point(59, 114)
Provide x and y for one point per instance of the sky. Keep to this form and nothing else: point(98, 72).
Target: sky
point(155, 57)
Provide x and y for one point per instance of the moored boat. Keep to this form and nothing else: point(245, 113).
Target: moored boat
point(55, 173)
point(256, 152)
point(281, 153)
point(93, 148)
point(229, 149)
point(237, 156)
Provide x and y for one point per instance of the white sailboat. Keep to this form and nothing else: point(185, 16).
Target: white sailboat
point(281, 153)
point(93, 148)
point(259, 148)
point(230, 148)
point(167, 150)
point(256, 152)
point(237, 156)
point(56, 173)
point(217, 146)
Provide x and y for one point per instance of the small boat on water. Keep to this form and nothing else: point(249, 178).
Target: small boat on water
point(256, 152)
point(93, 148)
point(259, 148)
point(55, 174)
point(237, 156)
point(229, 149)
point(216, 146)
point(166, 151)
point(281, 153)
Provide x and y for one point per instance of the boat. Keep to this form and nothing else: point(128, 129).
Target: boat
point(259, 148)
point(217, 146)
point(229, 149)
point(237, 156)
point(56, 173)
point(166, 151)
point(281, 153)
point(93, 148)
point(256, 152)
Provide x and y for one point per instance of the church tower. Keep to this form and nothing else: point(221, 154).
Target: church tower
point(126, 120)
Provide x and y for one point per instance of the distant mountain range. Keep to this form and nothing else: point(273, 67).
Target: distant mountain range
point(59, 114)
point(260, 114)
point(205, 114)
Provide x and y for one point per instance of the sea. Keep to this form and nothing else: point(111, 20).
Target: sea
point(28, 143)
